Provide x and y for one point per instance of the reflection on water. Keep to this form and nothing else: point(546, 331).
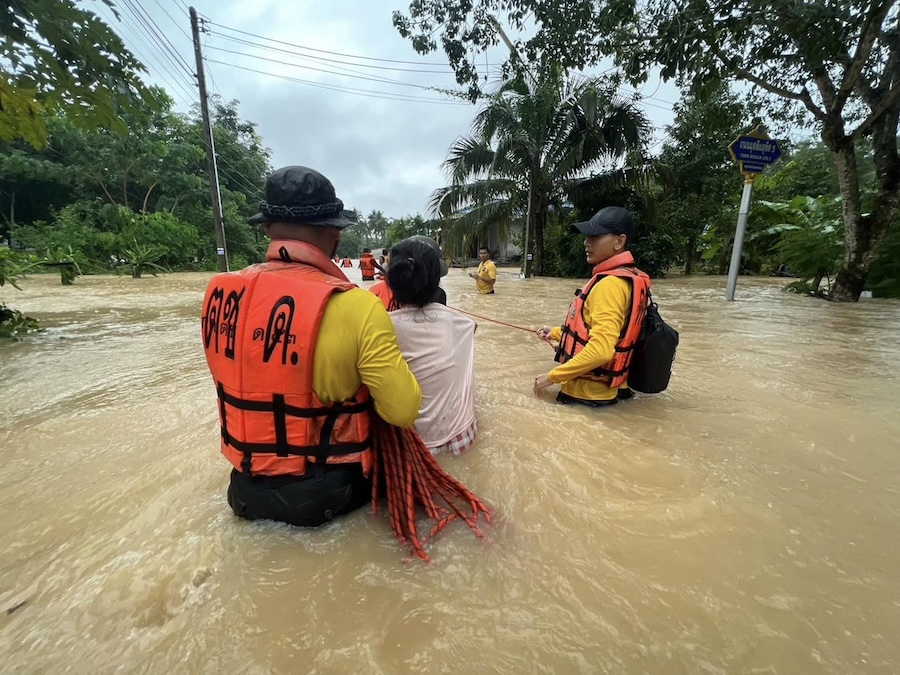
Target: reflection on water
point(744, 521)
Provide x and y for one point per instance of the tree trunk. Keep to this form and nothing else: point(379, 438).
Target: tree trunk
point(689, 254)
point(538, 223)
point(864, 233)
point(817, 282)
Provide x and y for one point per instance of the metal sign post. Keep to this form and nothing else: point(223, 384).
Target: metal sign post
point(754, 153)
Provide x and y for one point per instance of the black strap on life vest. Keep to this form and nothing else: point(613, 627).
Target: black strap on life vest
point(281, 411)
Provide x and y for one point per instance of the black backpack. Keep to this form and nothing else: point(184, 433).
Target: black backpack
point(654, 353)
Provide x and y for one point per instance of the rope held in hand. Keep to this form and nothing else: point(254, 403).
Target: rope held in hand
point(413, 478)
point(486, 318)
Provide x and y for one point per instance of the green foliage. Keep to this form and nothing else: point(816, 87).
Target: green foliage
point(13, 265)
point(96, 192)
point(552, 137)
point(700, 180)
point(56, 56)
point(140, 257)
point(811, 235)
point(351, 242)
point(833, 64)
point(66, 263)
point(13, 323)
point(402, 228)
point(884, 280)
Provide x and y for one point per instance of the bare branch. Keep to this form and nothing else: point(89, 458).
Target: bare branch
point(144, 208)
point(802, 96)
point(890, 100)
point(869, 34)
point(744, 74)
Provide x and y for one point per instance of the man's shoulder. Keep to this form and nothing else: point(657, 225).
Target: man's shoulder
point(355, 298)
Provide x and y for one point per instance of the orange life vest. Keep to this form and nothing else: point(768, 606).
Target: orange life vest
point(346, 263)
point(576, 332)
point(386, 295)
point(367, 265)
point(260, 327)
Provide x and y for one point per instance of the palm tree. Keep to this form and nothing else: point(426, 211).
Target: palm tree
point(548, 137)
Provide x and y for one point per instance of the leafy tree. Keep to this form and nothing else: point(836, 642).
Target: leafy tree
point(26, 180)
point(55, 56)
point(351, 242)
point(545, 139)
point(835, 62)
point(377, 227)
point(700, 178)
point(811, 235)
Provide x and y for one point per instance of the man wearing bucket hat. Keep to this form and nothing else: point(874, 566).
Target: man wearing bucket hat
point(300, 356)
point(604, 321)
point(383, 290)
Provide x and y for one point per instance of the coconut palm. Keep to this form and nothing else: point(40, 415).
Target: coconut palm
point(553, 136)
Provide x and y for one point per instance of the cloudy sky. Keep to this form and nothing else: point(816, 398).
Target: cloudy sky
point(349, 109)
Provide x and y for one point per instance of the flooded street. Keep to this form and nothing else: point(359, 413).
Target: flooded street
point(746, 521)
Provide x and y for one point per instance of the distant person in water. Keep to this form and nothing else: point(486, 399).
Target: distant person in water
point(605, 318)
point(439, 345)
point(367, 265)
point(486, 275)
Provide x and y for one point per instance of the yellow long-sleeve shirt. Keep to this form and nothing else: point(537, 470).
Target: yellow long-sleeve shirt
point(605, 309)
point(357, 344)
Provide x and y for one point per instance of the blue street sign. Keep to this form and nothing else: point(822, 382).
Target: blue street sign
point(750, 167)
point(755, 151)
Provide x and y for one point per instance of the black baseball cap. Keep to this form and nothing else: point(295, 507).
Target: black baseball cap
point(609, 220)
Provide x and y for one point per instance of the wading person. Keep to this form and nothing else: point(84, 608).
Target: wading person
point(486, 276)
point(299, 356)
point(367, 265)
point(605, 318)
point(438, 344)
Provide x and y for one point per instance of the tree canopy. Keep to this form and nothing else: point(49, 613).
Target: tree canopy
point(56, 56)
point(834, 63)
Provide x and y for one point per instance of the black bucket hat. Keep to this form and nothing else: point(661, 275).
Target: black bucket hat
point(298, 194)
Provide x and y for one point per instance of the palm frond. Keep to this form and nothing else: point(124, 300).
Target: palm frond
point(467, 158)
point(451, 200)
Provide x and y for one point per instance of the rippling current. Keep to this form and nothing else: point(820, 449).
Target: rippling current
point(745, 521)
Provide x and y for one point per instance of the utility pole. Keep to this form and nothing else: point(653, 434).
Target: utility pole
point(526, 253)
point(210, 143)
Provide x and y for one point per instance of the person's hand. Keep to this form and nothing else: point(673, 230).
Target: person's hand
point(541, 382)
point(472, 275)
point(544, 333)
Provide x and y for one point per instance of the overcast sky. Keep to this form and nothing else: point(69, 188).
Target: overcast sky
point(382, 144)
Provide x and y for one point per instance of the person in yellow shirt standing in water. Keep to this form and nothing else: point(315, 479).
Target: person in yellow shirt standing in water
point(486, 276)
point(604, 321)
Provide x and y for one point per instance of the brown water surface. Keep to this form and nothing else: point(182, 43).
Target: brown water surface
point(746, 521)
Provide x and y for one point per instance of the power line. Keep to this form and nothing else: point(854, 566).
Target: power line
point(325, 51)
point(382, 80)
point(323, 59)
point(160, 58)
point(165, 11)
point(360, 92)
point(157, 34)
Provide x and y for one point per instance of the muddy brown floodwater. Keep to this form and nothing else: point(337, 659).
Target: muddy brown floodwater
point(746, 521)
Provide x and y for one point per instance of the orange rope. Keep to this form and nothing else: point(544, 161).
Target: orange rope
point(485, 318)
point(502, 323)
point(412, 477)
